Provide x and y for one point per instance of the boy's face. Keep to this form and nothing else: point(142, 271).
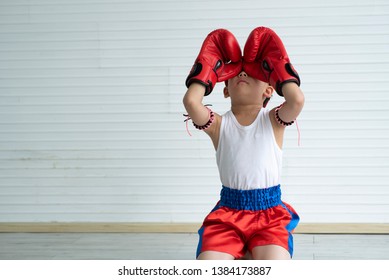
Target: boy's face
point(246, 90)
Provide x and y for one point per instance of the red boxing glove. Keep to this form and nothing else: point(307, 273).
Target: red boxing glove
point(265, 59)
point(220, 59)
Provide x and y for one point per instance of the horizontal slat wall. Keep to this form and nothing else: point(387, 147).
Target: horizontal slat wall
point(91, 126)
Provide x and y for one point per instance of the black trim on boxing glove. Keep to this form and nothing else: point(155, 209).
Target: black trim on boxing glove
point(200, 74)
point(196, 69)
point(291, 71)
point(276, 75)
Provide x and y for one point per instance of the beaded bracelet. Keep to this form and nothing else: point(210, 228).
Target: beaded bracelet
point(279, 120)
point(208, 124)
point(202, 127)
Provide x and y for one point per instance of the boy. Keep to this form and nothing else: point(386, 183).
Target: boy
point(250, 216)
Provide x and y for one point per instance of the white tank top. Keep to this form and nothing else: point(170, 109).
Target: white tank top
point(248, 157)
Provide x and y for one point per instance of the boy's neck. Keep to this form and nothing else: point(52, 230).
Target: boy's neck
point(246, 109)
point(246, 115)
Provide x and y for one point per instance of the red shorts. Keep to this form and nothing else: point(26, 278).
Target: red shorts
point(234, 229)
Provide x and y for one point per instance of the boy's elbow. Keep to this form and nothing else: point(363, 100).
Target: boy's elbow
point(293, 95)
point(188, 101)
point(297, 98)
point(194, 95)
point(300, 100)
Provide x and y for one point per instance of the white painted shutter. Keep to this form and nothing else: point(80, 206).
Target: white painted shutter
point(91, 125)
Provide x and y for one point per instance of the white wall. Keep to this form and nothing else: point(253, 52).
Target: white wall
point(91, 125)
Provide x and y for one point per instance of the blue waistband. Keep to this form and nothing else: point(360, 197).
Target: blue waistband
point(257, 199)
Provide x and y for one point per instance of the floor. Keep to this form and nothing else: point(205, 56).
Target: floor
point(173, 246)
